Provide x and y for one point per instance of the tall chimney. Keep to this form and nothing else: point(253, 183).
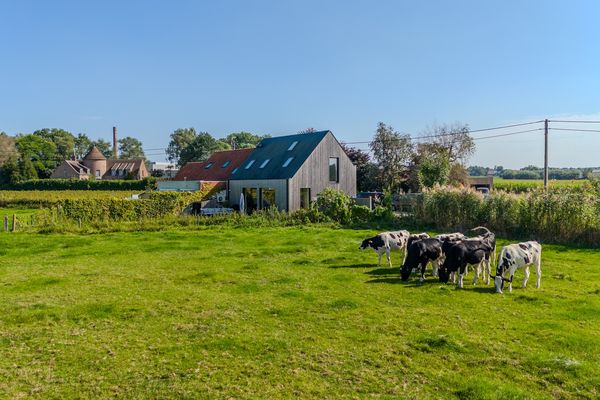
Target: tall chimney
point(115, 151)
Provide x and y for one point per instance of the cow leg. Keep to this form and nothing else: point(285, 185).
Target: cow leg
point(477, 271)
point(510, 284)
point(462, 272)
point(435, 267)
point(422, 277)
point(379, 253)
point(526, 278)
point(387, 253)
point(488, 271)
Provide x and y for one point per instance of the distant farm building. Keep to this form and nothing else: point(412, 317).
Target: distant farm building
point(96, 165)
point(481, 182)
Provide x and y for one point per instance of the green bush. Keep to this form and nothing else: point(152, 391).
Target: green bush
point(335, 204)
point(77, 184)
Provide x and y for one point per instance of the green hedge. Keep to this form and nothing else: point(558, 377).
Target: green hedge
point(153, 205)
point(76, 184)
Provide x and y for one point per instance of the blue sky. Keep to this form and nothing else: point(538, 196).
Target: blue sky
point(277, 67)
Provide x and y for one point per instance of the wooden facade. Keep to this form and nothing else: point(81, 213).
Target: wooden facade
point(313, 176)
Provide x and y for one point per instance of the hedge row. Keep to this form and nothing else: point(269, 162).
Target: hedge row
point(50, 198)
point(154, 205)
point(77, 184)
point(566, 215)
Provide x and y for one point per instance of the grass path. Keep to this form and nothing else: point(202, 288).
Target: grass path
point(282, 313)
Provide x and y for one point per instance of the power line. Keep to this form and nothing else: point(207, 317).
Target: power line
point(575, 130)
point(575, 121)
point(508, 134)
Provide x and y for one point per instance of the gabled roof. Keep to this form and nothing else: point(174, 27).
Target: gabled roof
point(276, 150)
point(217, 168)
point(78, 167)
point(94, 154)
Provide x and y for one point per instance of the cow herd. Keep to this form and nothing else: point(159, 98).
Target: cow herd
point(451, 254)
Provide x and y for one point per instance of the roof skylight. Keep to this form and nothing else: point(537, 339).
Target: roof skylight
point(264, 164)
point(250, 164)
point(293, 145)
point(226, 163)
point(210, 164)
point(287, 162)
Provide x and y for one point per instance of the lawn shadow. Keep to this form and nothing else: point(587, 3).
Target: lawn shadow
point(384, 271)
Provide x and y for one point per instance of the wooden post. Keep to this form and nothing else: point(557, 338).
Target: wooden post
point(545, 155)
point(6, 223)
point(14, 227)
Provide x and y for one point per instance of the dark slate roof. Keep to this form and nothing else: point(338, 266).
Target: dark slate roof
point(276, 150)
point(223, 162)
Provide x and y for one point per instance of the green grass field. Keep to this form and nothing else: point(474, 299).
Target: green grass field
point(523, 185)
point(282, 313)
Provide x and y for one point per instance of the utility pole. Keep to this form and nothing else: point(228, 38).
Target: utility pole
point(545, 155)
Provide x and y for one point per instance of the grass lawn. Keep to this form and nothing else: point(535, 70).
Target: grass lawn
point(281, 313)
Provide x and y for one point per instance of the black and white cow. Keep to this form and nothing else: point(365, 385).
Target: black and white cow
point(414, 237)
point(459, 255)
point(515, 256)
point(418, 255)
point(490, 237)
point(385, 242)
point(452, 237)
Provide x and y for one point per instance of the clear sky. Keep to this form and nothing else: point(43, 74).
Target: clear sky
point(277, 67)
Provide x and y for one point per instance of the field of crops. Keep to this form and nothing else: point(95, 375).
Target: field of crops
point(7, 196)
point(523, 185)
point(293, 312)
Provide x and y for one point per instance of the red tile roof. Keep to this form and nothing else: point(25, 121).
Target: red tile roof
point(205, 171)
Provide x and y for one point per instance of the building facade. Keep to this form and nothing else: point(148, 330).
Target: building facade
point(289, 172)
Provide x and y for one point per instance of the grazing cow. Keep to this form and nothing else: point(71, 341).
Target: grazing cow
point(453, 237)
point(385, 242)
point(414, 237)
point(419, 254)
point(515, 256)
point(460, 254)
point(491, 238)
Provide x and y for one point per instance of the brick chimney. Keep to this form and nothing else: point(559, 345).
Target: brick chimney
point(115, 151)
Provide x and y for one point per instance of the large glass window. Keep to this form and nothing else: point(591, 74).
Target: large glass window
point(304, 197)
point(251, 199)
point(267, 198)
point(333, 169)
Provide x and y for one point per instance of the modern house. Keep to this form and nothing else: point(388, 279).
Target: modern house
point(97, 165)
point(290, 171)
point(217, 168)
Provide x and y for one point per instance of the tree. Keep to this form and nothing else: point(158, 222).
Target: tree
point(308, 130)
point(8, 150)
point(41, 152)
point(27, 170)
point(455, 139)
point(475, 170)
point(392, 152)
point(433, 168)
point(458, 176)
point(243, 140)
point(104, 147)
point(9, 171)
point(131, 149)
point(366, 171)
point(180, 139)
point(63, 141)
point(82, 146)
point(201, 148)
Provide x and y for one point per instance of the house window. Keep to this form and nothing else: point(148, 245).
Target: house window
point(264, 164)
point(112, 172)
point(267, 198)
point(251, 199)
point(250, 164)
point(234, 170)
point(304, 197)
point(97, 173)
point(226, 163)
point(210, 164)
point(293, 145)
point(334, 175)
point(287, 162)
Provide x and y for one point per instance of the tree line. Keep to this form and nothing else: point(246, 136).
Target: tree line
point(532, 172)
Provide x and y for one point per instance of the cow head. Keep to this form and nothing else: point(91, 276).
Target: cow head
point(405, 272)
point(444, 273)
point(499, 282)
point(366, 244)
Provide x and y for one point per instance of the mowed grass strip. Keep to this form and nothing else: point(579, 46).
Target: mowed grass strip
point(281, 313)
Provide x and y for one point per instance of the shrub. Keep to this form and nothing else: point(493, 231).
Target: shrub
point(360, 214)
point(335, 204)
